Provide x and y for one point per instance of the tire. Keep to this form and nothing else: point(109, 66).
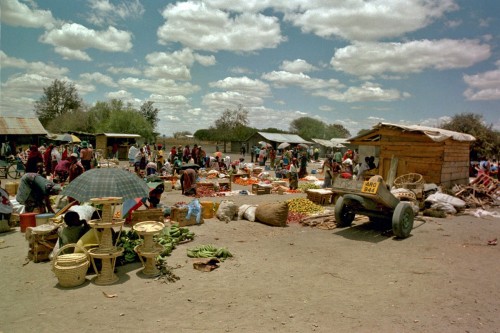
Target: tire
point(14, 173)
point(402, 220)
point(344, 215)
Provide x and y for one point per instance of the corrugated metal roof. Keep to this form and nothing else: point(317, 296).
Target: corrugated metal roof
point(21, 126)
point(120, 135)
point(325, 143)
point(434, 133)
point(280, 137)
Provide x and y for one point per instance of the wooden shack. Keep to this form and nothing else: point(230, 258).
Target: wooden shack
point(441, 156)
point(105, 142)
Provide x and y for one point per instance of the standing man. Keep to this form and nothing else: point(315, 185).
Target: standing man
point(252, 153)
point(86, 154)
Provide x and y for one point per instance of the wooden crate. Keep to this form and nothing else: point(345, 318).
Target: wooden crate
point(154, 214)
point(178, 215)
point(41, 246)
point(319, 198)
point(239, 175)
point(224, 186)
point(257, 189)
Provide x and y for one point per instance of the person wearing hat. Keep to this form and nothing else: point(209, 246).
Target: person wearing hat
point(86, 154)
point(34, 192)
point(75, 168)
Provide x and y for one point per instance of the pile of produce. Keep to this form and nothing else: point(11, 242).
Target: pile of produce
point(246, 181)
point(303, 205)
point(209, 251)
point(169, 238)
point(294, 217)
point(308, 186)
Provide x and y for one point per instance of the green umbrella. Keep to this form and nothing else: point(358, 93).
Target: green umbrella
point(106, 182)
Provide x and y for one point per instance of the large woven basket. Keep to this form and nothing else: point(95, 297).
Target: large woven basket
point(410, 181)
point(71, 269)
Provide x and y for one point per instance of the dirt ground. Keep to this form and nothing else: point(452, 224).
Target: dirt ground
point(443, 278)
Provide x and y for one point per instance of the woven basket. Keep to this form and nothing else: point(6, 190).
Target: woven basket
point(70, 269)
point(409, 180)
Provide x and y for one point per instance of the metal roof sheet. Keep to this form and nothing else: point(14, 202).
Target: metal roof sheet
point(21, 126)
point(282, 137)
point(326, 143)
point(434, 133)
point(119, 135)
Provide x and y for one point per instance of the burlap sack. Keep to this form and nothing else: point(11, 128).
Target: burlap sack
point(274, 214)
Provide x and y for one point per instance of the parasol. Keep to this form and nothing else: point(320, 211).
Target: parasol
point(130, 205)
point(107, 182)
point(264, 144)
point(283, 145)
point(70, 138)
point(303, 145)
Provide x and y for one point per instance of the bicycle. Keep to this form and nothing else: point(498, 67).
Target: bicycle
point(13, 167)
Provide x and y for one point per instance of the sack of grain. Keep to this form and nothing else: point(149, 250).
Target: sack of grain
point(227, 210)
point(274, 214)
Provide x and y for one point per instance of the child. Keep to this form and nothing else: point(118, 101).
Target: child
point(75, 228)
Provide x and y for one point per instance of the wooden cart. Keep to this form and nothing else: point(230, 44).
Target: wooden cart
point(373, 199)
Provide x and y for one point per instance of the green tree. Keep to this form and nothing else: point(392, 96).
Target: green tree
point(149, 112)
point(59, 98)
point(336, 131)
point(77, 120)
point(129, 121)
point(308, 128)
point(231, 125)
point(487, 140)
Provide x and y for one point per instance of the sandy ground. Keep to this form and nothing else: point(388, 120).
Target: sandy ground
point(443, 278)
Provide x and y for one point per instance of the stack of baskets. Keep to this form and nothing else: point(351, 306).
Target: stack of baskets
point(71, 269)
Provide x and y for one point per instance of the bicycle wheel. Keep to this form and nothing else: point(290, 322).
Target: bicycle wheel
point(14, 172)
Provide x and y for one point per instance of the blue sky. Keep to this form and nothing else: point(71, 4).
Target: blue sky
point(349, 62)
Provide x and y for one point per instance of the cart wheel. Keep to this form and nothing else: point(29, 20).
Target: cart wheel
point(402, 220)
point(343, 213)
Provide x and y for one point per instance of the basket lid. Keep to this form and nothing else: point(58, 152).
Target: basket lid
point(71, 259)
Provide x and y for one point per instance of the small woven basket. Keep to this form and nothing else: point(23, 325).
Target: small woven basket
point(409, 180)
point(71, 269)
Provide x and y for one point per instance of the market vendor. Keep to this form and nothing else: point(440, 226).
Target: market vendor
point(293, 174)
point(61, 170)
point(35, 191)
point(188, 181)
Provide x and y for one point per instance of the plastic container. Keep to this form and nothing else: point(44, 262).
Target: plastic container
point(208, 209)
point(11, 188)
point(43, 218)
point(27, 220)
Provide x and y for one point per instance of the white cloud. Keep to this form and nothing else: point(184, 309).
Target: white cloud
point(229, 100)
point(106, 13)
point(124, 70)
point(160, 86)
point(483, 86)
point(283, 79)
point(240, 70)
point(98, 78)
point(369, 91)
point(74, 36)
point(120, 94)
point(17, 14)
point(366, 20)
point(175, 65)
point(69, 54)
point(198, 26)
point(243, 85)
point(40, 68)
point(411, 57)
point(297, 66)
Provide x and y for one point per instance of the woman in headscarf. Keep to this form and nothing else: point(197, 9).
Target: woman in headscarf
point(35, 160)
point(293, 174)
point(188, 181)
point(47, 159)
